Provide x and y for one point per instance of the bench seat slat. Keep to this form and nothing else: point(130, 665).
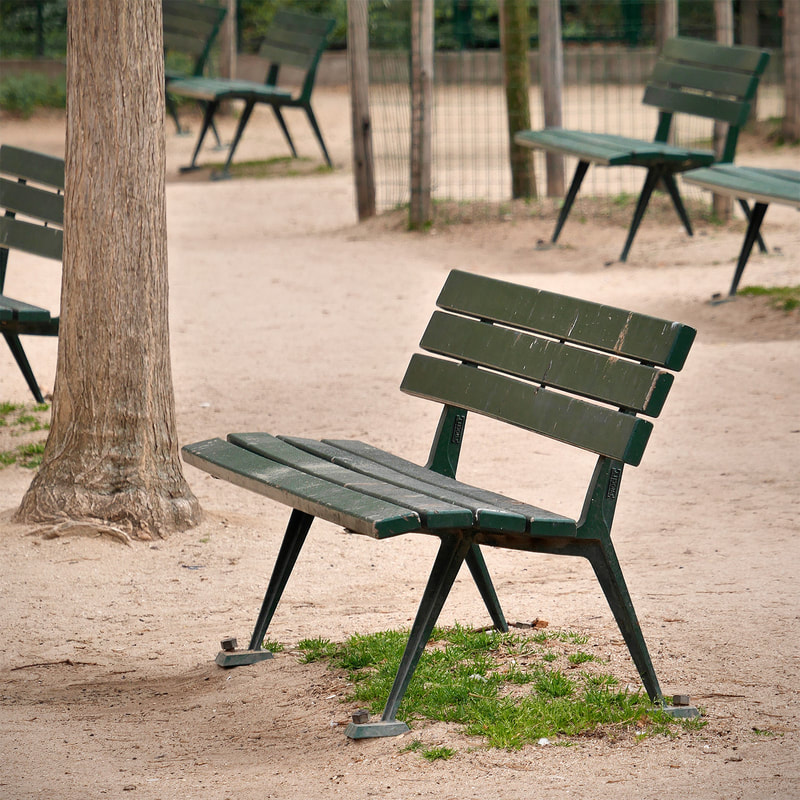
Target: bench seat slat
point(25, 312)
point(540, 519)
point(218, 89)
point(433, 513)
point(599, 376)
point(32, 166)
point(762, 185)
point(639, 336)
point(494, 512)
point(352, 510)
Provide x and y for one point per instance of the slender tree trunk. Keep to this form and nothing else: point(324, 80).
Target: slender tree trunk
point(791, 70)
point(723, 11)
point(420, 213)
point(112, 455)
point(358, 63)
point(748, 27)
point(667, 23)
point(516, 72)
point(551, 69)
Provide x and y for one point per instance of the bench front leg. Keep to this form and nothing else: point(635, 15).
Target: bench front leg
point(756, 217)
point(208, 121)
point(22, 362)
point(452, 553)
point(654, 175)
point(577, 180)
point(293, 540)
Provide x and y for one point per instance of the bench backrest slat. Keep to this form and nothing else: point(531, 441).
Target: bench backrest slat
point(705, 79)
point(190, 29)
point(571, 369)
point(296, 40)
point(17, 234)
point(31, 185)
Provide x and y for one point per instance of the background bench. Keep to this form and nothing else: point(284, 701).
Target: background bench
point(31, 185)
point(692, 77)
point(764, 186)
point(573, 370)
point(295, 41)
point(190, 29)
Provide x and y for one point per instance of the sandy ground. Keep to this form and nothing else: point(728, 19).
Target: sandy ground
point(289, 317)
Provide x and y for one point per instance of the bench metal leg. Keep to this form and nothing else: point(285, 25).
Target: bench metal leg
point(672, 188)
point(313, 120)
point(654, 175)
point(452, 553)
point(243, 120)
point(762, 246)
point(285, 129)
point(208, 119)
point(22, 362)
point(756, 217)
point(293, 540)
point(480, 574)
point(577, 180)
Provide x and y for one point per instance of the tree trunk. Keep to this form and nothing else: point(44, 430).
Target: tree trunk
point(748, 27)
point(358, 63)
point(791, 70)
point(420, 213)
point(112, 454)
point(667, 22)
point(723, 11)
point(551, 69)
point(514, 33)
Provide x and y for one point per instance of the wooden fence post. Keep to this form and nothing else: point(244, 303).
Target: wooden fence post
point(358, 73)
point(421, 112)
point(551, 69)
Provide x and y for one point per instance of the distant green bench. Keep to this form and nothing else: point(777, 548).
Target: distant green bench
point(764, 186)
point(31, 185)
point(190, 29)
point(573, 370)
point(693, 77)
point(294, 41)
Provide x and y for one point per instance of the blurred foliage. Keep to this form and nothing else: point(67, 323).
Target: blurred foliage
point(30, 28)
point(22, 94)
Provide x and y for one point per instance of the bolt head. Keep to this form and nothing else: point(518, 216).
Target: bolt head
point(228, 645)
point(681, 700)
point(361, 716)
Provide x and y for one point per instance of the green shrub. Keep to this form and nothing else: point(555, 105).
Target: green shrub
point(22, 94)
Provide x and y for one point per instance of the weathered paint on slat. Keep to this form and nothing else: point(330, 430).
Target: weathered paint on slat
point(599, 376)
point(352, 510)
point(567, 419)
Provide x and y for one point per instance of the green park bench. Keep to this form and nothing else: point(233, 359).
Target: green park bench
point(691, 77)
point(573, 370)
point(190, 29)
point(762, 185)
point(294, 41)
point(31, 185)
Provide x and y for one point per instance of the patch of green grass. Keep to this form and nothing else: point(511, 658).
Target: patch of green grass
point(272, 646)
point(18, 420)
point(783, 298)
point(497, 686)
point(429, 753)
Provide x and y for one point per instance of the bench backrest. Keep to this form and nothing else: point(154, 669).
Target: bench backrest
point(295, 40)
point(708, 80)
point(573, 370)
point(190, 28)
point(32, 199)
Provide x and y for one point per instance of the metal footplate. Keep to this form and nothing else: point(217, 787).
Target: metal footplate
point(229, 656)
point(681, 708)
point(362, 728)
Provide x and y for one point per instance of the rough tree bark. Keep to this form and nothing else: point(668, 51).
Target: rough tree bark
point(514, 35)
point(791, 70)
point(112, 456)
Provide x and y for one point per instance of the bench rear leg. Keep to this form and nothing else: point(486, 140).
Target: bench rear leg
point(208, 121)
point(762, 246)
point(22, 362)
point(675, 195)
point(602, 557)
point(480, 574)
point(654, 175)
point(756, 217)
point(577, 180)
point(452, 553)
point(313, 120)
point(285, 129)
point(243, 120)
